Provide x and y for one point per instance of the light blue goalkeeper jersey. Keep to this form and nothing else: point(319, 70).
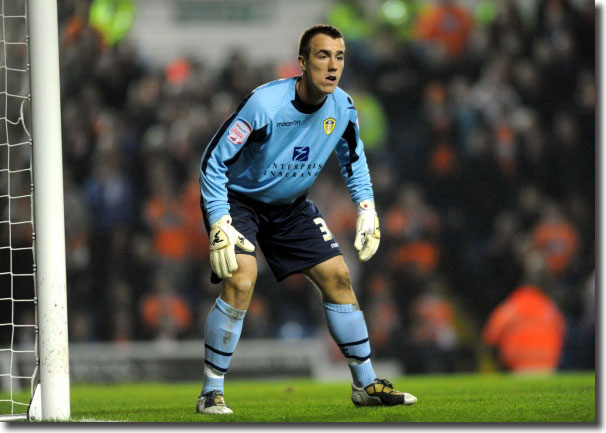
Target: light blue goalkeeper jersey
point(273, 147)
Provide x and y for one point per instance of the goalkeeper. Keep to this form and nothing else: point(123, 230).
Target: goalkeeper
point(254, 178)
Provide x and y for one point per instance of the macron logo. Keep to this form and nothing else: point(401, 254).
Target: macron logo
point(293, 123)
point(301, 153)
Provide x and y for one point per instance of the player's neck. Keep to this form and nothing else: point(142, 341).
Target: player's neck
point(306, 93)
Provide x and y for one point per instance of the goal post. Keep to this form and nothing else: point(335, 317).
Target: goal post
point(48, 209)
point(33, 295)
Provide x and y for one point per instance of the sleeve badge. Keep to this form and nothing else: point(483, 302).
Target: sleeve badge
point(239, 131)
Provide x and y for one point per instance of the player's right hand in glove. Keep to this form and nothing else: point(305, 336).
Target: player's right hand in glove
point(368, 234)
point(223, 238)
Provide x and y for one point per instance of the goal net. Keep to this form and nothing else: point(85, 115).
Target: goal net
point(18, 315)
point(34, 361)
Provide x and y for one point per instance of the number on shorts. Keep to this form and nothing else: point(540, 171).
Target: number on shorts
point(323, 228)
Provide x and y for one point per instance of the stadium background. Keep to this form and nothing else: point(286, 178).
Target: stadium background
point(479, 125)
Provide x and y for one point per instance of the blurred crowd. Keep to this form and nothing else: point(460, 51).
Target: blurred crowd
point(479, 125)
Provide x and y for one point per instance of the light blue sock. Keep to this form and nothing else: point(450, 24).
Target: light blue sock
point(347, 327)
point(221, 335)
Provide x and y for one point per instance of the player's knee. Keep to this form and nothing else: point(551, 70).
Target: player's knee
point(336, 288)
point(237, 292)
point(342, 280)
point(241, 286)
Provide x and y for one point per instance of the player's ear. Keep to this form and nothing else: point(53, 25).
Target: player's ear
point(302, 62)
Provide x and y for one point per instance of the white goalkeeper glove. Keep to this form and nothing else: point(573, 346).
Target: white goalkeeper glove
point(223, 238)
point(368, 234)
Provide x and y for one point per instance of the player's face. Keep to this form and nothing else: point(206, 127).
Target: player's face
point(325, 63)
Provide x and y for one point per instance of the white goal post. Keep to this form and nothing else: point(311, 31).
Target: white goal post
point(48, 209)
point(29, 48)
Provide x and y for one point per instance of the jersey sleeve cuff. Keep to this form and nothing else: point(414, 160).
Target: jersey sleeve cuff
point(357, 201)
point(213, 217)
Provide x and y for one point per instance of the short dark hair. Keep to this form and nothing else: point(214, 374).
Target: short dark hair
point(325, 29)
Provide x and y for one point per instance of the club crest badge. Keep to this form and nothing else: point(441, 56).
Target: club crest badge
point(329, 125)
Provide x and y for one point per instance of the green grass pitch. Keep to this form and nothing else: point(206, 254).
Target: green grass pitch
point(444, 398)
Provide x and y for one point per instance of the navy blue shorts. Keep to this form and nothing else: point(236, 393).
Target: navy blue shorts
point(292, 236)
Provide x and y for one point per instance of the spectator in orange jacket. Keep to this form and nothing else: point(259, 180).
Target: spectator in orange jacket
point(557, 239)
point(447, 24)
point(165, 314)
point(528, 330)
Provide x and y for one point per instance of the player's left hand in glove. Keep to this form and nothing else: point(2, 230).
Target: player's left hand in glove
point(223, 238)
point(368, 234)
